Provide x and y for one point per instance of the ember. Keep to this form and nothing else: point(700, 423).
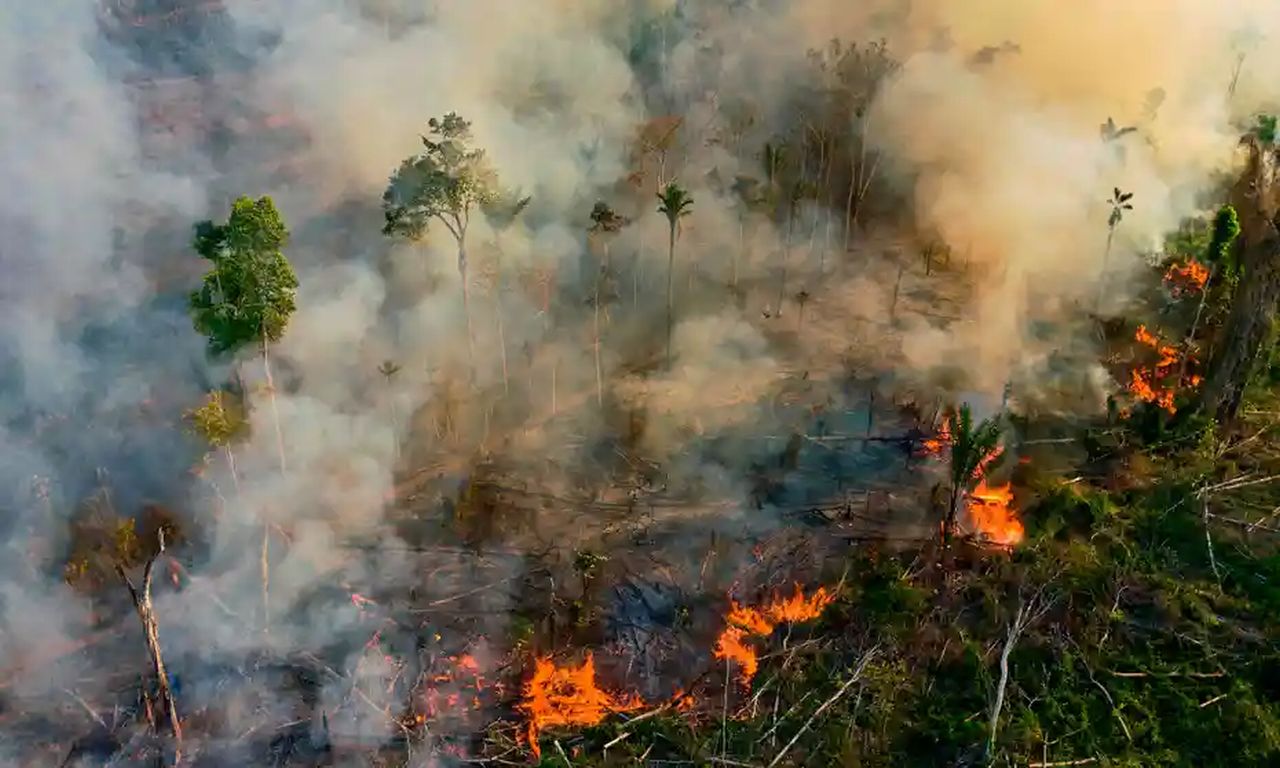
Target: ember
point(990, 511)
point(743, 621)
point(557, 696)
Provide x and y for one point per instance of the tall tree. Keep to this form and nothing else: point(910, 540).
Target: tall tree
point(675, 204)
point(446, 182)
point(971, 446)
point(1251, 321)
point(1119, 202)
point(502, 211)
point(605, 223)
point(248, 297)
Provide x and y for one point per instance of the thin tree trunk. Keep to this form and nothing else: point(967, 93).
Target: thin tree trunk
point(1102, 279)
point(151, 631)
point(671, 263)
point(265, 563)
point(737, 253)
point(231, 467)
point(791, 220)
point(1015, 629)
point(502, 343)
point(466, 304)
point(848, 203)
point(497, 310)
point(275, 410)
point(1195, 325)
point(596, 323)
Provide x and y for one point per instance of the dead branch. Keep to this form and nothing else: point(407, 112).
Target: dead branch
point(857, 675)
point(1021, 620)
point(1063, 763)
point(151, 630)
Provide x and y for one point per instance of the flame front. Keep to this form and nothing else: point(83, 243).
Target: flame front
point(743, 621)
point(1149, 383)
point(567, 696)
point(991, 512)
point(1186, 278)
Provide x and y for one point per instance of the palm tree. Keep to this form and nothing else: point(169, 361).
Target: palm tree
point(604, 222)
point(970, 448)
point(1119, 202)
point(675, 205)
point(389, 368)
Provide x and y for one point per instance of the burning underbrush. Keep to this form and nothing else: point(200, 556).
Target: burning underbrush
point(1167, 372)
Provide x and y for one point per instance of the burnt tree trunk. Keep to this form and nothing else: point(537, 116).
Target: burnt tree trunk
point(1250, 323)
point(151, 630)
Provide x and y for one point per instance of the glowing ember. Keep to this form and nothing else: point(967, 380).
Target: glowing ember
point(567, 696)
point(744, 621)
point(990, 511)
point(1186, 278)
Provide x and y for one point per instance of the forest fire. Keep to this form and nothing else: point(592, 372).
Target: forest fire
point(743, 621)
point(1184, 279)
point(567, 696)
point(1150, 384)
point(992, 515)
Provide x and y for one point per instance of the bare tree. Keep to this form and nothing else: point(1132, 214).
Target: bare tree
point(141, 596)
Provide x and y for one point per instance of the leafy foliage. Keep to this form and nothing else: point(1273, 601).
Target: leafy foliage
point(971, 444)
point(219, 419)
point(249, 293)
point(674, 203)
point(1266, 129)
point(1225, 230)
point(1119, 203)
point(445, 182)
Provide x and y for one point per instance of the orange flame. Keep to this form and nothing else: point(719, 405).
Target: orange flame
point(935, 445)
point(743, 621)
point(557, 696)
point(990, 511)
point(1187, 278)
point(1144, 382)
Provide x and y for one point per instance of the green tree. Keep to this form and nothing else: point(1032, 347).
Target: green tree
point(249, 294)
point(445, 182)
point(220, 421)
point(971, 446)
point(1250, 323)
point(675, 204)
point(247, 297)
point(605, 223)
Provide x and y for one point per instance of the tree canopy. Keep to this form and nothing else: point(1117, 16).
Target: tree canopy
point(249, 294)
point(445, 182)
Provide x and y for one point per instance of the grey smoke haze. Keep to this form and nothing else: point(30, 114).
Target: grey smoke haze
point(1001, 161)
